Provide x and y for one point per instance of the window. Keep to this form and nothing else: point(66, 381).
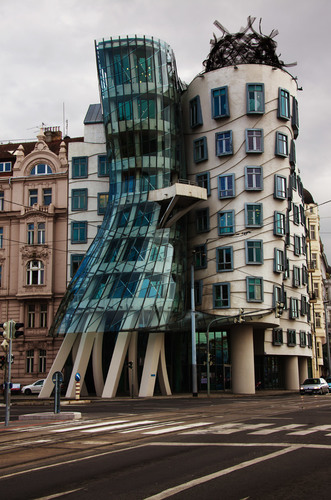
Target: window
point(102, 203)
point(135, 250)
point(202, 220)
point(103, 166)
point(221, 295)
point(41, 169)
point(296, 276)
point(255, 98)
point(280, 187)
point(220, 102)
point(152, 286)
point(200, 151)
point(226, 222)
point(29, 360)
point(1, 237)
point(124, 109)
point(43, 315)
point(303, 340)
point(226, 187)
point(200, 257)
point(312, 232)
point(35, 272)
point(0, 276)
point(47, 196)
point(41, 233)
point(284, 104)
point(278, 260)
point(203, 180)
point(79, 232)
point(296, 215)
point(254, 288)
point(295, 117)
point(277, 336)
point(146, 108)
point(293, 156)
point(294, 308)
point(253, 178)
point(124, 286)
point(224, 143)
point(318, 320)
point(291, 338)
point(304, 305)
point(2, 199)
point(304, 273)
point(33, 197)
point(195, 112)
point(297, 244)
point(79, 199)
point(76, 260)
point(253, 214)
point(5, 166)
point(144, 215)
point(281, 144)
point(79, 167)
point(279, 224)
point(313, 260)
point(31, 233)
point(224, 259)
point(123, 217)
point(302, 215)
point(316, 290)
point(277, 298)
point(254, 140)
point(254, 251)
point(31, 315)
point(42, 360)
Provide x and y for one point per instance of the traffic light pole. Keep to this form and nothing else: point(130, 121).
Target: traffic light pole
point(8, 389)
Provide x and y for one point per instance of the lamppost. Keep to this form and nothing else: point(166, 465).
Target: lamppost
point(194, 350)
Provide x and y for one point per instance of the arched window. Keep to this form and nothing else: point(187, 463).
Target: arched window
point(35, 272)
point(41, 169)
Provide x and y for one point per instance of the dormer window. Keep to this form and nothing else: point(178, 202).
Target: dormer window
point(5, 166)
point(41, 169)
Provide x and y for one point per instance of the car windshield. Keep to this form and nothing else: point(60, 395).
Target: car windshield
point(311, 381)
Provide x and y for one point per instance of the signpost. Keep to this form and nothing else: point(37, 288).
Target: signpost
point(57, 379)
point(77, 392)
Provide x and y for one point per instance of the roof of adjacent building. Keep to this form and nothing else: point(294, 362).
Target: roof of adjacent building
point(94, 114)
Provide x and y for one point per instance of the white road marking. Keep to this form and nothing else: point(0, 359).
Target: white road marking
point(88, 426)
point(310, 430)
point(176, 428)
point(264, 432)
point(60, 494)
point(119, 426)
point(209, 477)
point(143, 428)
point(229, 428)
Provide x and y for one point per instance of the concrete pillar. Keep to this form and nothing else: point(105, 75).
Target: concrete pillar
point(116, 365)
point(154, 362)
point(133, 357)
point(81, 362)
point(242, 358)
point(292, 382)
point(303, 369)
point(97, 364)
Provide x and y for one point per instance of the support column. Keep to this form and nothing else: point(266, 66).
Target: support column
point(151, 364)
point(133, 357)
point(303, 369)
point(242, 359)
point(116, 365)
point(81, 362)
point(97, 364)
point(292, 382)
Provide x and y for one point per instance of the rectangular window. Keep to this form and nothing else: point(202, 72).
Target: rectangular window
point(30, 233)
point(277, 336)
point(296, 276)
point(76, 260)
point(226, 222)
point(221, 295)
point(5, 166)
point(253, 178)
point(41, 233)
point(200, 151)
point(79, 167)
point(226, 186)
point(195, 112)
point(31, 316)
point(102, 203)
point(313, 260)
point(302, 215)
point(304, 305)
point(220, 102)
point(254, 251)
point(312, 231)
point(29, 360)
point(297, 245)
point(295, 118)
point(281, 144)
point(47, 196)
point(304, 275)
point(318, 320)
point(277, 298)
point(203, 180)
point(202, 220)
point(124, 110)
point(278, 260)
point(43, 315)
point(279, 224)
point(124, 286)
point(253, 215)
point(316, 290)
point(224, 259)
point(103, 166)
point(146, 108)
point(303, 340)
point(254, 289)
point(2, 200)
point(280, 191)
point(200, 257)
point(284, 104)
point(79, 199)
point(294, 308)
point(42, 360)
point(254, 140)
point(135, 250)
point(224, 143)
point(1, 237)
point(291, 338)
point(255, 98)
point(296, 215)
point(33, 197)
point(79, 232)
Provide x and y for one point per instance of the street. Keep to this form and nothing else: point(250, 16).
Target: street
point(272, 446)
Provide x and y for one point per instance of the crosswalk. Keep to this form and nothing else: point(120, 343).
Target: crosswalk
point(263, 429)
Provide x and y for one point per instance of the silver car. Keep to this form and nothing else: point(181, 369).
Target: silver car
point(314, 386)
point(34, 388)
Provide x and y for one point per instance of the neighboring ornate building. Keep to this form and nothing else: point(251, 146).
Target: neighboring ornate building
point(33, 246)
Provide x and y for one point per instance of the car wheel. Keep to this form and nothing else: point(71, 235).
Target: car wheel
point(27, 392)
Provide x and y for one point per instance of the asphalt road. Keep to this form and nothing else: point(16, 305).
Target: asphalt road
point(219, 448)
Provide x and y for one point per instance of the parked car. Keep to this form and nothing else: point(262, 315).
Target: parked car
point(314, 386)
point(328, 379)
point(34, 388)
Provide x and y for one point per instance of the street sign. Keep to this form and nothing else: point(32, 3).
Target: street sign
point(77, 377)
point(57, 378)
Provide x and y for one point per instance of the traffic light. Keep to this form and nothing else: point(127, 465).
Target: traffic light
point(18, 331)
point(6, 329)
point(2, 362)
point(279, 309)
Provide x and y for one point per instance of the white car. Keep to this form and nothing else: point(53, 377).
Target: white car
point(314, 386)
point(34, 388)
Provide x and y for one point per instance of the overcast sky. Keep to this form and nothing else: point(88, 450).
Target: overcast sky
point(47, 62)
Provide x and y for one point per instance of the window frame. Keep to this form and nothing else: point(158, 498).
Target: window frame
point(221, 286)
point(102, 207)
point(224, 138)
point(291, 337)
point(254, 175)
point(202, 220)
point(218, 99)
point(35, 272)
point(254, 262)
point(279, 262)
point(281, 148)
point(200, 252)
point(229, 186)
point(224, 257)
point(203, 180)
point(195, 112)
point(279, 217)
point(257, 285)
point(200, 149)
point(256, 99)
point(248, 211)
point(280, 187)
point(277, 336)
point(79, 197)
point(251, 136)
point(103, 166)
point(224, 229)
point(82, 229)
point(284, 104)
point(79, 167)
